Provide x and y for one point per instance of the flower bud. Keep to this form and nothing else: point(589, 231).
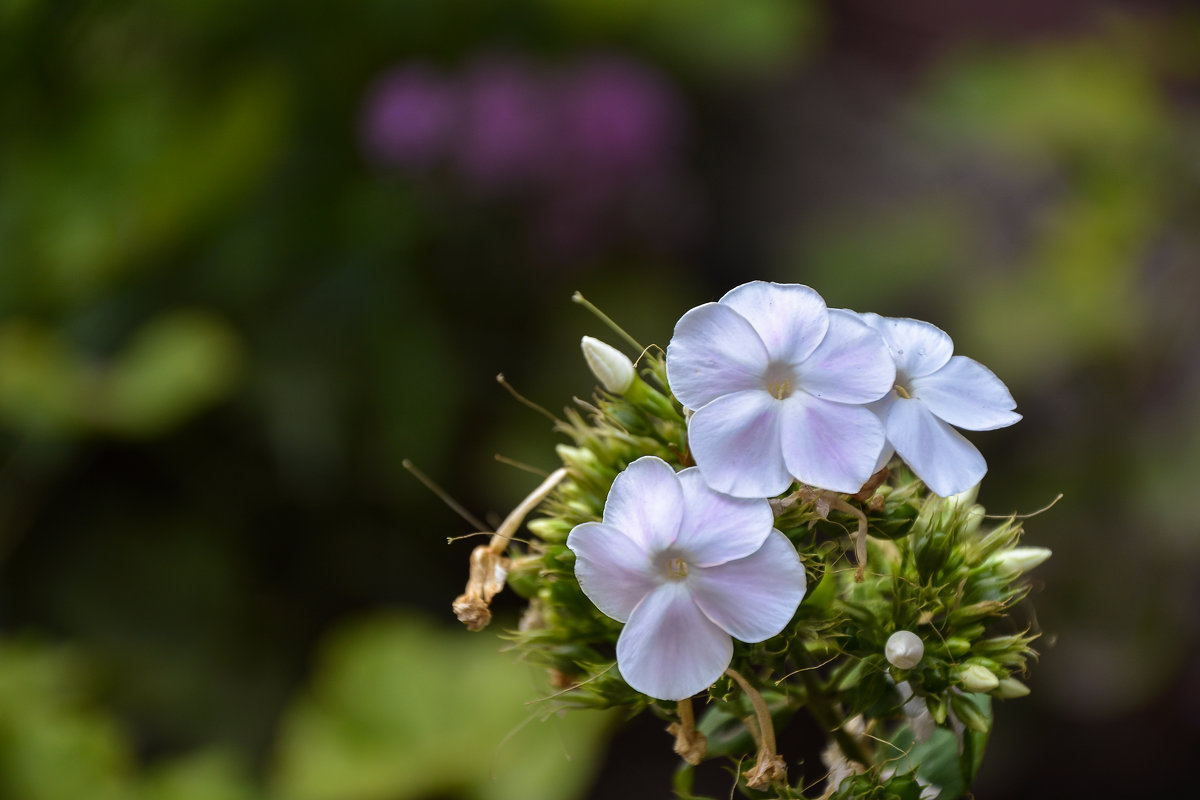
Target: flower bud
point(904, 649)
point(977, 678)
point(1019, 560)
point(1011, 688)
point(611, 367)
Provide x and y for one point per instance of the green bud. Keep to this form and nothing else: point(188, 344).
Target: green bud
point(977, 678)
point(969, 714)
point(1011, 688)
point(957, 646)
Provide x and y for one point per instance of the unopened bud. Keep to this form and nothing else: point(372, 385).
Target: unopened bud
point(1011, 688)
point(611, 367)
point(904, 649)
point(1019, 560)
point(977, 678)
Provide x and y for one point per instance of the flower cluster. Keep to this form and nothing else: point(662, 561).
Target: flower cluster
point(697, 539)
point(782, 387)
point(592, 146)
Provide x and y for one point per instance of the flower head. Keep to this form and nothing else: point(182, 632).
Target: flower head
point(408, 118)
point(779, 383)
point(687, 569)
point(936, 392)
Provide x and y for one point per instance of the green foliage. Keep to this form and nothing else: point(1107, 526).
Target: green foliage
point(56, 743)
point(400, 709)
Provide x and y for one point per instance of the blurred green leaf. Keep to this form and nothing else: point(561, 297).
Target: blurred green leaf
point(400, 709)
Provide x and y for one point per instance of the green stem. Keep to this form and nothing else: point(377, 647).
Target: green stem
point(583, 301)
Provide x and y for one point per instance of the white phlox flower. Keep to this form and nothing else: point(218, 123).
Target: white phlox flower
point(687, 569)
point(936, 392)
point(778, 384)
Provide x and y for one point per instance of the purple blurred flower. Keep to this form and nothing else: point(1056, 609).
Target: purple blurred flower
point(620, 117)
point(409, 117)
point(506, 126)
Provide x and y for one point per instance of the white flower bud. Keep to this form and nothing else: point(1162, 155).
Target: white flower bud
point(904, 649)
point(977, 678)
point(611, 367)
point(1019, 560)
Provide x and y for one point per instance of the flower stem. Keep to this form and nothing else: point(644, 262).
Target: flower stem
point(583, 301)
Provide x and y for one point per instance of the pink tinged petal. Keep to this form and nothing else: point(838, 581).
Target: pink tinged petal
point(918, 347)
point(968, 395)
point(613, 570)
point(670, 650)
point(735, 443)
point(646, 504)
point(717, 527)
point(938, 454)
point(753, 598)
point(790, 318)
point(851, 365)
point(713, 352)
point(830, 445)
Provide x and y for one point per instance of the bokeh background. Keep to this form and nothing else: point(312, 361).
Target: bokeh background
point(253, 255)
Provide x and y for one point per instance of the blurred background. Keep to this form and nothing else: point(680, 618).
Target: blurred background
point(252, 256)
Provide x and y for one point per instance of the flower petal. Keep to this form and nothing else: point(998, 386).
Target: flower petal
point(713, 352)
point(938, 454)
point(735, 442)
point(918, 347)
point(755, 597)
point(613, 570)
point(851, 365)
point(717, 527)
point(646, 504)
point(968, 395)
point(830, 445)
point(670, 650)
point(790, 318)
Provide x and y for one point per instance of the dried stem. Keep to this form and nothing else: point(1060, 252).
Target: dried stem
point(770, 767)
point(489, 567)
point(690, 744)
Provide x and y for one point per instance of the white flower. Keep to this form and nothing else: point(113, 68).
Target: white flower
point(778, 383)
point(933, 392)
point(611, 367)
point(685, 568)
point(904, 649)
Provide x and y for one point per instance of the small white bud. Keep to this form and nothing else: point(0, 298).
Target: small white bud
point(904, 649)
point(1019, 560)
point(611, 367)
point(977, 678)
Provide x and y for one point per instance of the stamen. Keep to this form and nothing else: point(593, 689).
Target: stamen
point(900, 390)
point(780, 389)
point(677, 568)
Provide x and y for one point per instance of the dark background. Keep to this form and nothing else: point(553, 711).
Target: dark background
point(252, 256)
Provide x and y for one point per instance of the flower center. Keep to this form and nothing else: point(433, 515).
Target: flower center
point(677, 568)
point(903, 391)
point(779, 379)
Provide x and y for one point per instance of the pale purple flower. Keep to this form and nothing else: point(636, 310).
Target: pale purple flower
point(687, 570)
point(620, 119)
point(778, 384)
point(934, 391)
point(507, 125)
point(409, 116)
